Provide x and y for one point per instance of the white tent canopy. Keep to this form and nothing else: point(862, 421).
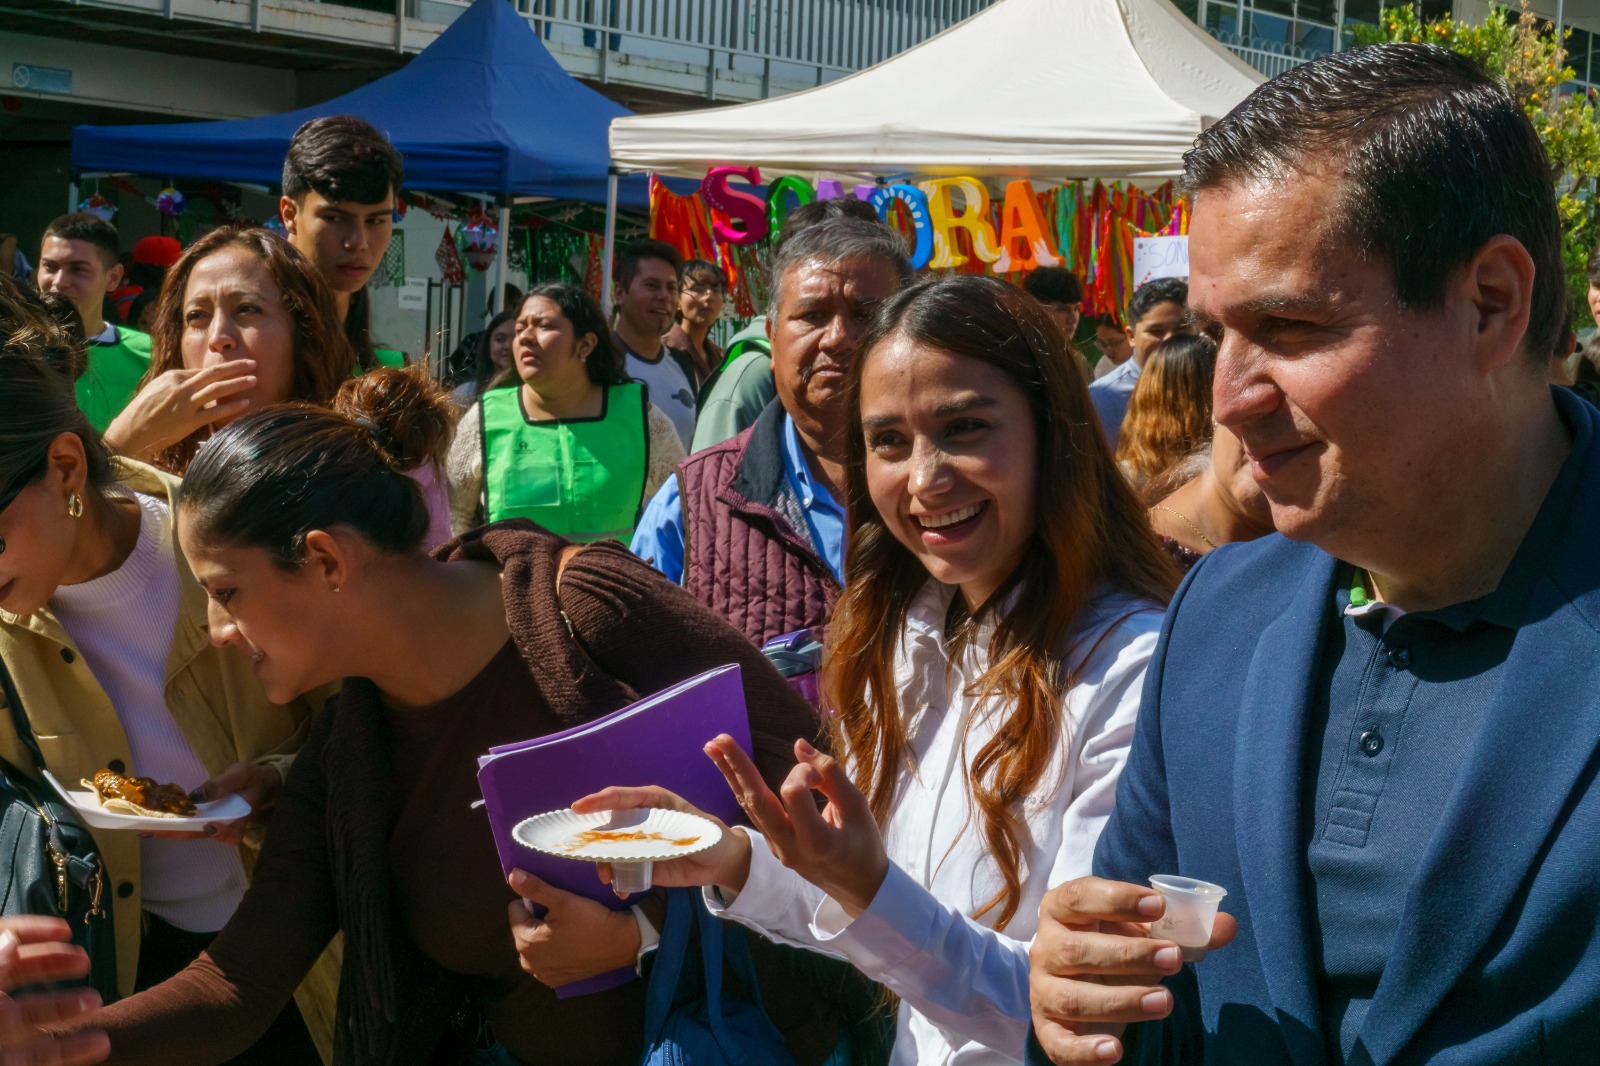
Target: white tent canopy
point(1053, 90)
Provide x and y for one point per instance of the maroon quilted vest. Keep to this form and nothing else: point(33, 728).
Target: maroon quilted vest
point(748, 552)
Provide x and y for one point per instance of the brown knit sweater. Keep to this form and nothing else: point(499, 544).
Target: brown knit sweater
point(326, 867)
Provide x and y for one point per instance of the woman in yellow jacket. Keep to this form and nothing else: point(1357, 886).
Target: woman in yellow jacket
point(103, 631)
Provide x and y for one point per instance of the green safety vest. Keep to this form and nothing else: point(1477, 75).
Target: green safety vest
point(582, 478)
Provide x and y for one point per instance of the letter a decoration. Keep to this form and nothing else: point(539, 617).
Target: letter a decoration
point(1025, 241)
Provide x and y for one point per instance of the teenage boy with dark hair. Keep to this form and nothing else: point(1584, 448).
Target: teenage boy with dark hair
point(80, 258)
point(646, 296)
point(340, 180)
point(1061, 293)
point(1157, 310)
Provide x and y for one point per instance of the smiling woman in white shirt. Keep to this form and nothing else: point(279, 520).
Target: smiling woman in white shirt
point(984, 665)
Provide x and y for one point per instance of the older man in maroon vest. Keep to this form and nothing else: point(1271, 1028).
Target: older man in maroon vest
point(754, 526)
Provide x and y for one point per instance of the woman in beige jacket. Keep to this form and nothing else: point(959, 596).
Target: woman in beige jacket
point(103, 631)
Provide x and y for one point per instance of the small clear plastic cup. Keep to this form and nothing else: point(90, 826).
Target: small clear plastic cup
point(630, 877)
point(1191, 912)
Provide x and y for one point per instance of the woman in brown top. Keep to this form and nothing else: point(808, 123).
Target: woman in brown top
point(307, 542)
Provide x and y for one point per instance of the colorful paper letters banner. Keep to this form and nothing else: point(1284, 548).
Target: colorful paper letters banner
point(951, 223)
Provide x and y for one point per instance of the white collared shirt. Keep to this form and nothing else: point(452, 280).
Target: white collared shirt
point(963, 986)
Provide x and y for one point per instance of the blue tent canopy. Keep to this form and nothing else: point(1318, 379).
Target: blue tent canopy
point(484, 109)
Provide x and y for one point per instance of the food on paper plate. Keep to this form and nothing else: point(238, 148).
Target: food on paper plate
point(141, 796)
point(580, 840)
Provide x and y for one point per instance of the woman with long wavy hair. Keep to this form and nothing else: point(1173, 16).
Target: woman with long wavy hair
point(1169, 414)
point(1002, 598)
point(244, 321)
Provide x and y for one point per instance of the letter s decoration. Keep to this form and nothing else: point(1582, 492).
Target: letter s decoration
point(740, 206)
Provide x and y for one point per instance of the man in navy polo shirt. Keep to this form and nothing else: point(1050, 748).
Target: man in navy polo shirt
point(1378, 731)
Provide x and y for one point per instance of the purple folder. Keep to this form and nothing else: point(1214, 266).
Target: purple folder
point(659, 740)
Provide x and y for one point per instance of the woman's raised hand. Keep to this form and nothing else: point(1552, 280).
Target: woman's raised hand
point(178, 402)
point(839, 849)
point(725, 864)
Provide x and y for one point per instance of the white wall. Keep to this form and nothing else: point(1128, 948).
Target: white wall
point(405, 329)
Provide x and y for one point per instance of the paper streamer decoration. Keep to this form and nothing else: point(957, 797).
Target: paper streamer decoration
point(392, 267)
point(1026, 243)
point(778, 194)
point(1096, 226)
point(921, 224)
point(736, 205)
point(973, 220)
point(451, 268)
point(687, 224)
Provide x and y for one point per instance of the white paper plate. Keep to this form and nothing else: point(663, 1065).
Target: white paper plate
point(667, 835)
point(87, 804)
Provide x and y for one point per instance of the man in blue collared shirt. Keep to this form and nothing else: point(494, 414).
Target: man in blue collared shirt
point(1380, 731)
point(659, 537)
point(754, 526)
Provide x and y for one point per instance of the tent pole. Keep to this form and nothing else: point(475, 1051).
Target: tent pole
point(610, 242)
point(505, 239)
point(72, 195)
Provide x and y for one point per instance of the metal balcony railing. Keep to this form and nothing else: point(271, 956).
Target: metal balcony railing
point(1269, 57)
point(833, 37)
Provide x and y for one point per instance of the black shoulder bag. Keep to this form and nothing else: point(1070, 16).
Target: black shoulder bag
point(49, 862)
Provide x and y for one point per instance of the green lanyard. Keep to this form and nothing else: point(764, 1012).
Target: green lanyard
point(1358, 590)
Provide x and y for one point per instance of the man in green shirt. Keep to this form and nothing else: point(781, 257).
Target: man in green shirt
point(340, 180)
point(740, 389)
point(80, 258)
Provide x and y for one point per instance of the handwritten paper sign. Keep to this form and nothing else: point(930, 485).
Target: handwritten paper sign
point(414, 294)
point(1159, 257)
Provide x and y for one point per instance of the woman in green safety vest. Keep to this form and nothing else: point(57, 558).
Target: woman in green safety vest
point(574, 446)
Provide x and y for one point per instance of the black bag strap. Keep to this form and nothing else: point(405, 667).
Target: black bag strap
point(19, 717)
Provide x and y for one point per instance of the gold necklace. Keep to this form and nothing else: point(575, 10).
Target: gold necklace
point(1197, 531)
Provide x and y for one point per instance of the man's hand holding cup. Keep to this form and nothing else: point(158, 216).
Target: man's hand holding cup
point(1095, 968)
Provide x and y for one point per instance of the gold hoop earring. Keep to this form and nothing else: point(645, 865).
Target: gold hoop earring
point(75, 505)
